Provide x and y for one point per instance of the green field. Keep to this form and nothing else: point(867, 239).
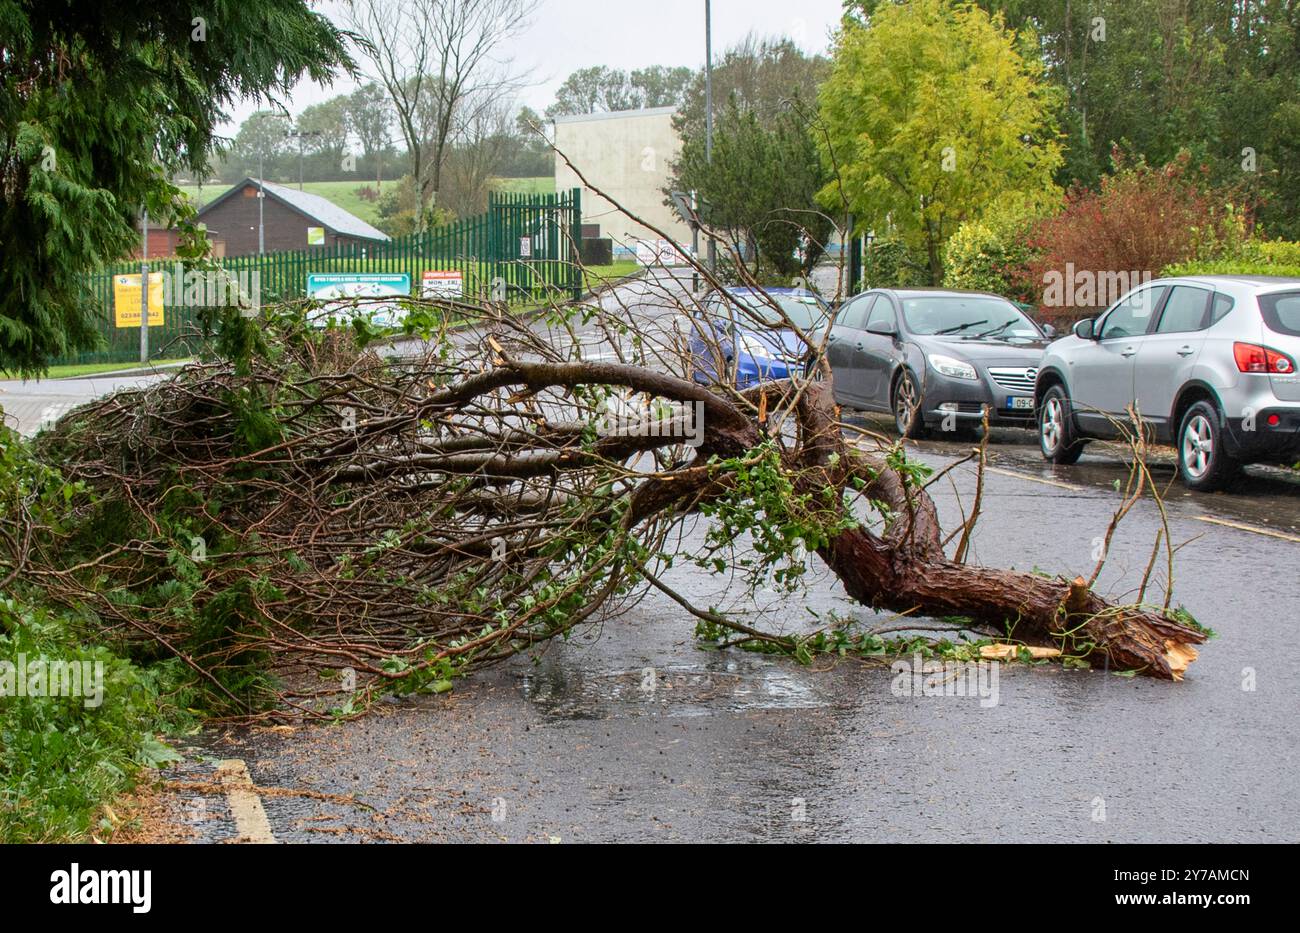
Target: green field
point(544, 185)
point(73, 370)
point(344, 193)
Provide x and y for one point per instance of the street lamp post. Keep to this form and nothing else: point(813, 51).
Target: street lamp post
point(261, 200)
point(144, 287)
point(708, 111)
point(300, 135)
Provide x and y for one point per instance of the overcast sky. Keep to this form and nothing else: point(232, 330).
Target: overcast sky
point(566, 35)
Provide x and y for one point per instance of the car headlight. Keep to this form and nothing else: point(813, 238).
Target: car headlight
point(754, 347)
point(947, 366)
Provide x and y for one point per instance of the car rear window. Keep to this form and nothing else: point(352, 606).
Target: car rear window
point(1222, 305)
point(1282, 312)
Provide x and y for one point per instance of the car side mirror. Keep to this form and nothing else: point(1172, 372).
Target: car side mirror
point(1086, 329)
point(1049, 331)
point(883, 328)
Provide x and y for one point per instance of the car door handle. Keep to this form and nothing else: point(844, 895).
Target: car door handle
point(859, 344)
point(1128, 351)
point(1185, 351)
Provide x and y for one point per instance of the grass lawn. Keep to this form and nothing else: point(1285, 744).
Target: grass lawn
point(93, 369)
point(596, 276)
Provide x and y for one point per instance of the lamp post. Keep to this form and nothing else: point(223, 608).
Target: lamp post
point(144, 287)
point(708, 111)
point(300, 135)
point(261, 200)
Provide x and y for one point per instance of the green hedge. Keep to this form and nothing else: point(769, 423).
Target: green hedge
point(1256, 257)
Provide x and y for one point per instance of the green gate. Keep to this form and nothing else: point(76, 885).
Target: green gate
point(522, 250)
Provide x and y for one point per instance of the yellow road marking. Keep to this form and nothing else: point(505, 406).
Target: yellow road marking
point(1034, 479)
point(245, 805)
point(1253, 529)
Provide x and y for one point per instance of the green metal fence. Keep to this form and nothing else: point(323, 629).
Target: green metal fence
point(522, 250)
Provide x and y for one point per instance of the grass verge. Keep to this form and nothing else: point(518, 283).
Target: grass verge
point(78, 721)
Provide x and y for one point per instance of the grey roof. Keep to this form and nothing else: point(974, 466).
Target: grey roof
point(330, 215)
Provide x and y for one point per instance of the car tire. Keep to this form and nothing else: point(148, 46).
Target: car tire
point(1203, 461)
point(1056, 435)
point(905, 402)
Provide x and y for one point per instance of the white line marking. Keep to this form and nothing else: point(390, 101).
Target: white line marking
point(1034, 479)
point(245, 805)
point(1253, 529)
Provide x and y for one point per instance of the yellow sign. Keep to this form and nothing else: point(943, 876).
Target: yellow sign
point(315, 236)
point(126, 300)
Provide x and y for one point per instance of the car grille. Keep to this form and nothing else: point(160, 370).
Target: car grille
point(1017, 380)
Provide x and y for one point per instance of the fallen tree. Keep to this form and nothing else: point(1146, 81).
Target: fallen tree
point(410, 518)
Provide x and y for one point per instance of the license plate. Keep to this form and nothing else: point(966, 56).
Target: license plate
point(1020, 402)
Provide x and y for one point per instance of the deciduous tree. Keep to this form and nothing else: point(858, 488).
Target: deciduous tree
point(930, 114)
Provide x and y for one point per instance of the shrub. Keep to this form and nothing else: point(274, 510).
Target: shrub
point(890, 263)
point(60, 759)
point(992, 254)
point(1255, 257)
point(1141, 221)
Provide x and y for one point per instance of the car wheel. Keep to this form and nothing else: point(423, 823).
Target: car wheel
point(1056, 438)
point(907, 407)
point(1203, 461)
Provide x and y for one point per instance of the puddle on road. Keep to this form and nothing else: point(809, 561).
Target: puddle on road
point(679, 690)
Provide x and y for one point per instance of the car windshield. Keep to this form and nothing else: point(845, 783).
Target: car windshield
point(967, 316)
point(803, 311)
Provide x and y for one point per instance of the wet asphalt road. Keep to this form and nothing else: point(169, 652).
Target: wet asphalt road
point(580, 745)
point(630, 732)
point(730, 746)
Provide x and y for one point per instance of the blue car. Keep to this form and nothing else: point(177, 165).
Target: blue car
point(738, 337)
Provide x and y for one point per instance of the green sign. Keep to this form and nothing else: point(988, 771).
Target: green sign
point(348, 294)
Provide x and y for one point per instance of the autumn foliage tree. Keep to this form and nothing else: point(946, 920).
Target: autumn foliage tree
point(1142, 219)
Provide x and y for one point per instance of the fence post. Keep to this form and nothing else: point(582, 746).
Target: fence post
point(144, 287)
point(575, 246)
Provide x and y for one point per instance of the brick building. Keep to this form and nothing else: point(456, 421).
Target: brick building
point(291, 220)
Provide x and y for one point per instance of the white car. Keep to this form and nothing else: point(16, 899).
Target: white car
point(1209, 362)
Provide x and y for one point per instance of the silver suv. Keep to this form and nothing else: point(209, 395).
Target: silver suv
point(1209, 362)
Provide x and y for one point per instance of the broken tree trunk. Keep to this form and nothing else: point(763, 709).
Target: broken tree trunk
point(907, 571)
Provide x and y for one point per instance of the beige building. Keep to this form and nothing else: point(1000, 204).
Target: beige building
point(627, 155)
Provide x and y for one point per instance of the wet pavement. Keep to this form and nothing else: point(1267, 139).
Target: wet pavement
point(631, 732)
point(28, 405)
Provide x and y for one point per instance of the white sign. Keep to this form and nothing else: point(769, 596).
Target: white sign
point(659, 253)
point(442, 283)
point(337, 292)
point(525, 247)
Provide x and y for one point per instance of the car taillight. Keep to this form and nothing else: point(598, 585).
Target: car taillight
point(1252, 358)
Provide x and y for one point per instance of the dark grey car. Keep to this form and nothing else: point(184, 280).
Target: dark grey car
point(937, 358)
